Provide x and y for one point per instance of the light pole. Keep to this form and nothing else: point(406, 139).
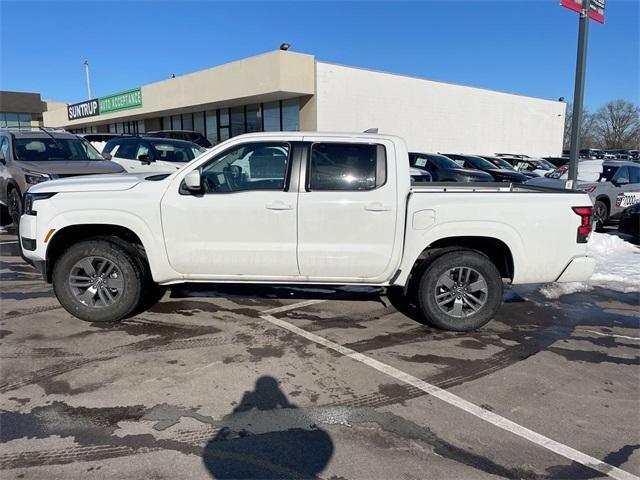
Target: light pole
point(578, 94)
point(86, 71)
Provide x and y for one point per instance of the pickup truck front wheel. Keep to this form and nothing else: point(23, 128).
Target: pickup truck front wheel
point(460, 291)
point(97, 281)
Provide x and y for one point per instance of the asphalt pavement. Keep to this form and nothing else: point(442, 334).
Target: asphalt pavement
point(223, 381)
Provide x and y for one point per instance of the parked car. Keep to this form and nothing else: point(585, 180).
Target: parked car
point(139, 154)
point(503, 164)
point(557, 161)
point(630, 222)
point(498, 174)
point(620, 154)
point(339, 210)
point(536, 165)
point(635, 155)
point(98, 140)
point(186, 135)
point(443, 169)
point(616, 188)
point(592, 153)
point(30, 156)
point(512, 155)
point(419, 175)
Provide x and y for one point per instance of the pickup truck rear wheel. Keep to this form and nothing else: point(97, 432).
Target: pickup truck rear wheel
point(97, 281)
point(460, 291)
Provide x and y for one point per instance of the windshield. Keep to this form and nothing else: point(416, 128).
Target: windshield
point(48, 148)
point(500, 163)
point(177, 151)
point(439, 161)
point(481, 163)
point(546, 165)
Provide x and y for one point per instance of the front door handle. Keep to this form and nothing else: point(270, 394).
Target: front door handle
point(278, 205)
point(377, 207)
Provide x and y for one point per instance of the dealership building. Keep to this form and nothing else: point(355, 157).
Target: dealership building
point(285, 90)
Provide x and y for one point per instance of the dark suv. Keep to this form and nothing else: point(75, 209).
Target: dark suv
point(443, 169)
point(30, 156)
point(499, 174)
point(187, 135)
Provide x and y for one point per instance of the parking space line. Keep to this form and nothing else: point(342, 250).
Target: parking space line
point(454, 400)
point(610, 335)
point(8, 243)
point(293, 306)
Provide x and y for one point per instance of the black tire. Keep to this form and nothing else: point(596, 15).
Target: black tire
point(600, 215)
point(15, 206)
point(152, 293)
point(131, 280)
point(443, 268)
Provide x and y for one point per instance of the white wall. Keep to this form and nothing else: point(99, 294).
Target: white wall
point(437, 117)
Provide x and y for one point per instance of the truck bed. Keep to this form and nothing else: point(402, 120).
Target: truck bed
point(485, 187)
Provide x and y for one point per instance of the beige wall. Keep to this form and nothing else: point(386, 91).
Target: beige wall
point(271, 76)
point(435, 116)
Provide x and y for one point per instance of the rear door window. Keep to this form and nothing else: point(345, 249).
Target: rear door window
point(346, 166)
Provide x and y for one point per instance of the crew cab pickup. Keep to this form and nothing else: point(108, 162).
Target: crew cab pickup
point(302, 208)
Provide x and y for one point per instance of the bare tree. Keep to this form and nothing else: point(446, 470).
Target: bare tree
point(587, 139)
point(617, 125)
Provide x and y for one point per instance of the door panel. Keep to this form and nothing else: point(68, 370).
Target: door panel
point(346, 234)
point(244, 224)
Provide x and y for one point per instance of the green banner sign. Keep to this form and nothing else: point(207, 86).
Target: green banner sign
point(121, 101)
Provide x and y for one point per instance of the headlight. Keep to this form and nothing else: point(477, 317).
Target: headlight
point(29, 198)
point(33, 178)
point(588, 189)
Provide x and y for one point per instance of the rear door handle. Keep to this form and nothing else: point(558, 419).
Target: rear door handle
point(278, 205)
point(377, 207)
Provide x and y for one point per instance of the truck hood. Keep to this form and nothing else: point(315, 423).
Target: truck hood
point(67, 168)
point(93, 183)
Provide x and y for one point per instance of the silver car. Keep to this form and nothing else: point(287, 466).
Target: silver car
point(617, 188)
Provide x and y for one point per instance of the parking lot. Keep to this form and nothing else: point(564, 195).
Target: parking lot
point(266, 381)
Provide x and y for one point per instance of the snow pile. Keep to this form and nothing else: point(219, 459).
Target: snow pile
point(617, 268)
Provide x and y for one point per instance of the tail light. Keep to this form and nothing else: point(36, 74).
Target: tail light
point(584, 230)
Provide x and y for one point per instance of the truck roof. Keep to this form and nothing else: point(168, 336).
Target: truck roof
point(320, 134)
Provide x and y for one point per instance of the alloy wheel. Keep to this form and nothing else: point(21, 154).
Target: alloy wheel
point(96, 282)
point(461, 292)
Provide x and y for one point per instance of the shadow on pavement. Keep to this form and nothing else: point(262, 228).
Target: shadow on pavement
point(255, 443)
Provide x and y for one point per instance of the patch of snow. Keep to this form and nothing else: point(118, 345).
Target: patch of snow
point(617, 268)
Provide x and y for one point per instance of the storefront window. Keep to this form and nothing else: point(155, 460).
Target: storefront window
point(11, 120)
point(24, 119)
point(254, 118)
point(176, 122)
point(271, 115)
point(187, 121)
point(290, 115)
point(140, 126)
point(224, 133)
point(212, 126)
point(198, 122)
point(237, 121)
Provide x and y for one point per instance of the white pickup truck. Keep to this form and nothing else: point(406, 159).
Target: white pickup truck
point(301, 208)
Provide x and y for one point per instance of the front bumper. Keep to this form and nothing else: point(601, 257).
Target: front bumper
point(579, 269)
point(29, 245)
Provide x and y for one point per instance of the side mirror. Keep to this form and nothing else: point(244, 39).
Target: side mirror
point(193, 181)
point(145, 159)
point(107, 156)
point(622, 181)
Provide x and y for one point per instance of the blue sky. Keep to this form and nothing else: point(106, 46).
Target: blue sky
point(525, 47)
